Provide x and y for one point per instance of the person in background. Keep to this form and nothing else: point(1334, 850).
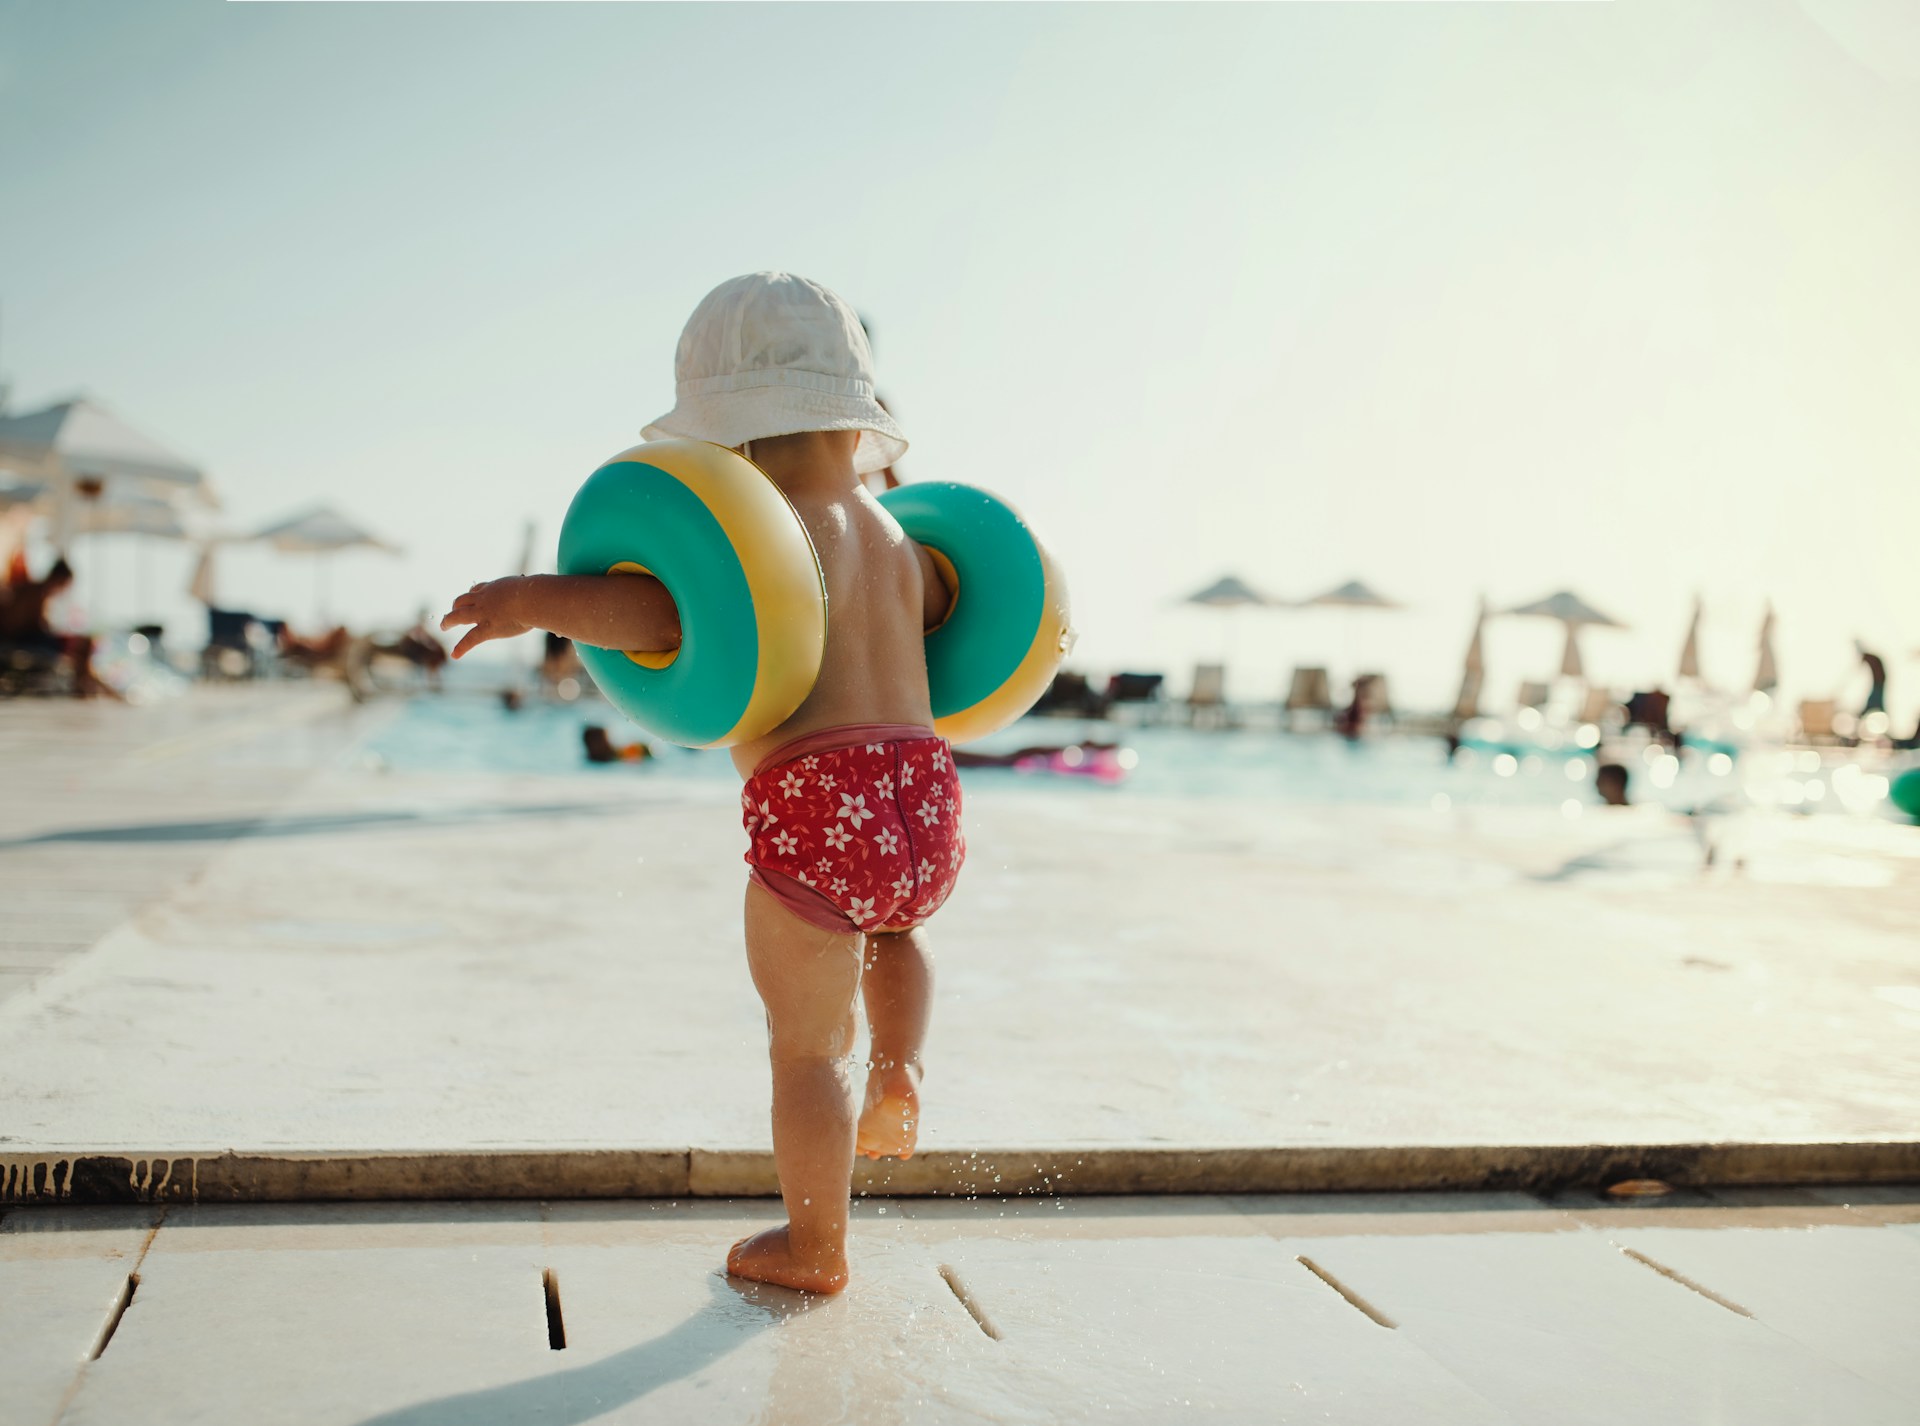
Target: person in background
point(1877, 677)
point(25, 625)
point(1350, 722)
point(601, 749)
point(1610, 781)
point(421, 647)
point(560, 668)
point(321, 649)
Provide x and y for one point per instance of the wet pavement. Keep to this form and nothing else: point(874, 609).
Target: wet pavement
point(1751, 1307)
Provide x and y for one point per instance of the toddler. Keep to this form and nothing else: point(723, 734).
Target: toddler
point(852, 806)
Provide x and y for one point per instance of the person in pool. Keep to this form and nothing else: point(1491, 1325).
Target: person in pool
point(600, 748)
point(852, 806)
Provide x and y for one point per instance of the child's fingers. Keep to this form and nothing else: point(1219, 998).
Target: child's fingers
point(475, 636)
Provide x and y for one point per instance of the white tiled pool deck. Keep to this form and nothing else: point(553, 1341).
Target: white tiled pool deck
point(236, 963)
point(429, 966)
point(1782, 1307)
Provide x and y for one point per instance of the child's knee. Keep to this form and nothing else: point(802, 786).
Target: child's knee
point(799, 1040)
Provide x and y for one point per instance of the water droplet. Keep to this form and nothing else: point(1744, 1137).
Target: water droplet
point(806, 1203)
point(883, 1210)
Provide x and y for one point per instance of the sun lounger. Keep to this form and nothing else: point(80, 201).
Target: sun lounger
point(1309, 691)
point(232, 649)
point(1816, 720)
point(1598, 704)
point(1375, 698)
point(1071, 696)
point(1207, 699)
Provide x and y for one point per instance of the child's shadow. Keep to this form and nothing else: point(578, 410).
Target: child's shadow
point(578, 1394)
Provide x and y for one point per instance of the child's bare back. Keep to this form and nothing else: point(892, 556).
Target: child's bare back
point(874, 667)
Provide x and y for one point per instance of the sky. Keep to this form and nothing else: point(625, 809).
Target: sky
point(1461, 300)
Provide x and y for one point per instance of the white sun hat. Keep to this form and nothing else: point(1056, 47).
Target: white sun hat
point(770, 354)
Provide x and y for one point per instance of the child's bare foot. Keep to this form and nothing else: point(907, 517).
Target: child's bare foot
point(890, 1123)
point(771, 1257)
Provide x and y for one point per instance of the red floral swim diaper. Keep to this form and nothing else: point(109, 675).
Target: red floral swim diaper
point(857, 828)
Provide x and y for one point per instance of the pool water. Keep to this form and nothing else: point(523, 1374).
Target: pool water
point(466, 733)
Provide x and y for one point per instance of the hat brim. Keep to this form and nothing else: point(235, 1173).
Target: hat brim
point(732, 418)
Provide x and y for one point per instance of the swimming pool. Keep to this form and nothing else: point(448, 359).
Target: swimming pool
point(467, 733)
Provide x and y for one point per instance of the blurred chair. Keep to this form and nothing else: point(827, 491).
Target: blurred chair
point(34, 668)
point(1533, 695)
point(1598, 704)
point(1374, 696)
point(1207, 699)
point(1309, 691)
point(232, 650)
point(1816, 720)
point(1145, 689)
point(1650, 709)
point(1071, 696)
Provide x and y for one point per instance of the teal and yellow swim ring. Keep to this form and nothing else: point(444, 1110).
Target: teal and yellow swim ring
point(1904, 792)
point(719, 534)
point(1007, 628)
point(724, 540)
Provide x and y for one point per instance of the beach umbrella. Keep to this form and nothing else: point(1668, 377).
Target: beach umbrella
point(322, 532)
point(1766, 672)
point(1690, 650)
point(1231, 593)
point(124, 513)
point(120, 511)
point(82, 451)
point(1354, 594)
point(1467, 705)
point(1574, 613)
point(1228, 592)
point(18, 493)
point(1568, 608)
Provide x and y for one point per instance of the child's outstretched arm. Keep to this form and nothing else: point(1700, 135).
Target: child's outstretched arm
point(608, 611)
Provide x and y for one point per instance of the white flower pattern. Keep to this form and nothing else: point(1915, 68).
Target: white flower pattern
point(871, 839)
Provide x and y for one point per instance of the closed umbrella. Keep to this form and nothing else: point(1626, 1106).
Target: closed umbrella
point(1766, 672)
point(1474, 673)
point(1690, 650)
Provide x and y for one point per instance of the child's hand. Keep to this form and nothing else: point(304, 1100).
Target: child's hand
point(489, 607)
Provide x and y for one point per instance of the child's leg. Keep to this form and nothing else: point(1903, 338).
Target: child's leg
point(809, 979)
point(898, 986)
